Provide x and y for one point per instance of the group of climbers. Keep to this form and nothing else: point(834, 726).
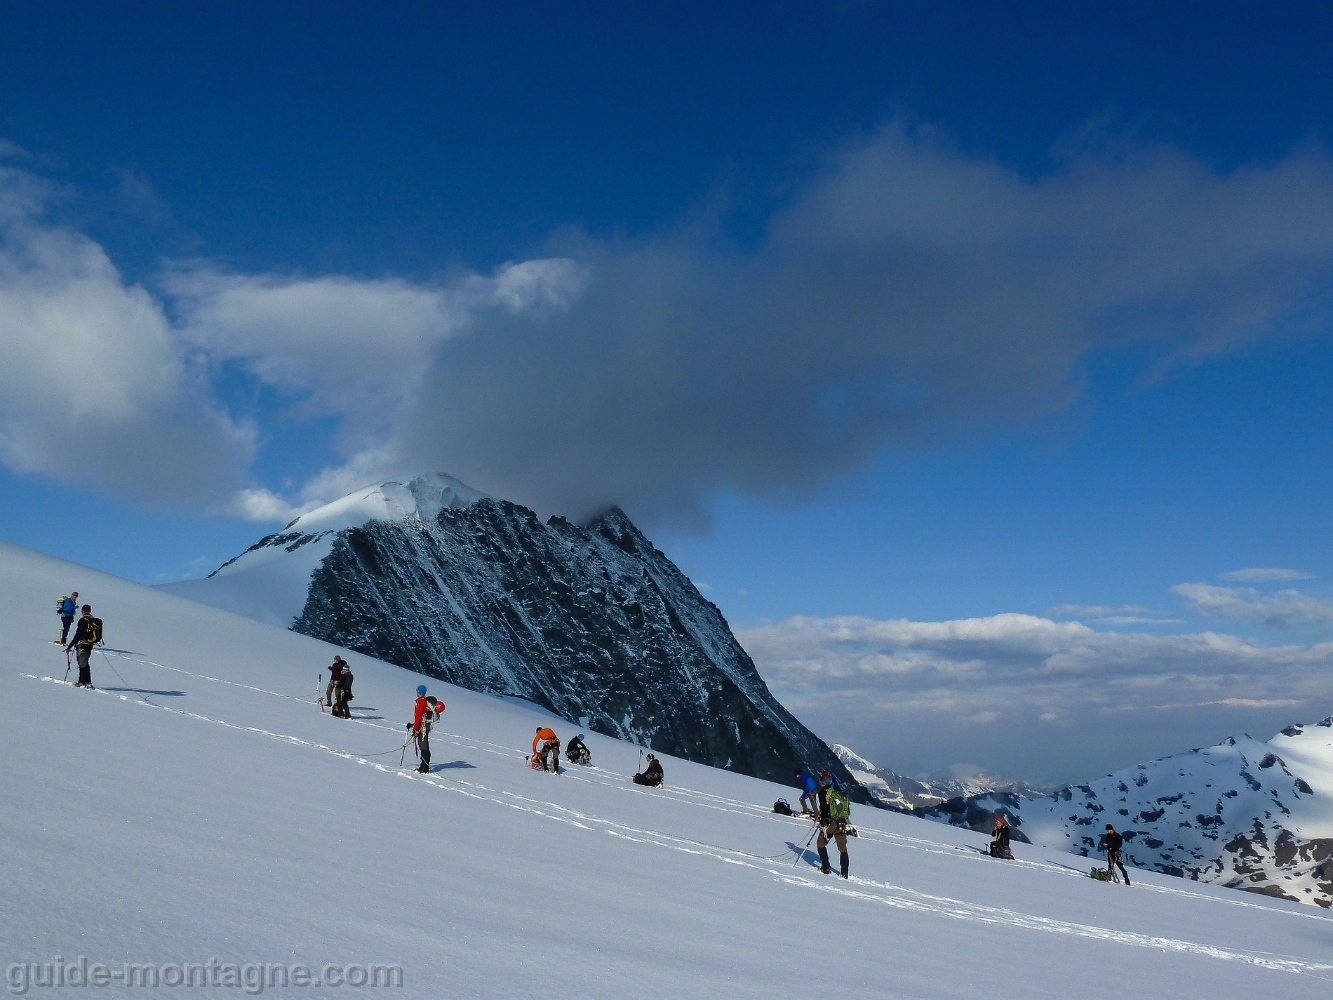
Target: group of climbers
point(1112, 843)
point(86, 636)
point(545, 754)
point(821, 798)
point(339, 692)
point(828, 805)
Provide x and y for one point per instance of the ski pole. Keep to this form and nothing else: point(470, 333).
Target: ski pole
point(67, 664)
point(801, 853)
point(319, 681)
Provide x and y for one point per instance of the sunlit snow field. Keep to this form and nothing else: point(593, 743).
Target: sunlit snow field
point(198, 805)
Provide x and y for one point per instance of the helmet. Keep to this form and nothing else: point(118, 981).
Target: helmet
point(580, 736)
point(421, 689)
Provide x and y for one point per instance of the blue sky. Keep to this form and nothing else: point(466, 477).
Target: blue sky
point(867, 313)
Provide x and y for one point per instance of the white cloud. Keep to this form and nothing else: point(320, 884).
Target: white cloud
point(1280, 610)
point(1266, 575)
point(916, 692)
point(261, 505)
point(94, 387)
point(355, 349)
point(1127, 614)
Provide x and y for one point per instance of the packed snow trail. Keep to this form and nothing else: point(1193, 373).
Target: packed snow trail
point(1068, 866)
point(211, 810)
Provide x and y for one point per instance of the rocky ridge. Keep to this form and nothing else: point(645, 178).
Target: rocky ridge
point(1245, 814)
point(899, 792)
point(592, 623)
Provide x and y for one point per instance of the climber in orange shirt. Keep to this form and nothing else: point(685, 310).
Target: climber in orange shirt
point(550, 748)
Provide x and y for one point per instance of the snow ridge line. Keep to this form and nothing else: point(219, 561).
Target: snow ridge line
point(903, 898)
point(685, 796)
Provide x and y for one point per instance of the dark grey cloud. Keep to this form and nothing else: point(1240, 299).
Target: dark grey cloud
point(907, 293)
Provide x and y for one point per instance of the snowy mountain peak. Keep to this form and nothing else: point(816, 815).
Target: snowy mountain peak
point(422, 497)
point(852, 759)
point(592, 623)
point(897, 791)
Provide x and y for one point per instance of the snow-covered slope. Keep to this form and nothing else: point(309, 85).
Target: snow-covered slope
point(897, 791)
point(199, 808)
point(1253, 815)
point(594, 624)
point(269, 581)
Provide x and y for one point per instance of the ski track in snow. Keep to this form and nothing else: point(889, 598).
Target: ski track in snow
point(721, 803)
point(882, 893)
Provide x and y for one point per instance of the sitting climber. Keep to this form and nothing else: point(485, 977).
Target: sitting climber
point(651, 775)
point(999, 844)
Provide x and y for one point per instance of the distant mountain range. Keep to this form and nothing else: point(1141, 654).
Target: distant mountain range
point(592, 623)
point(896, 791)
point(1245, 814)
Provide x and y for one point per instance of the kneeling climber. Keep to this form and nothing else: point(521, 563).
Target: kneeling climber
point(577, 751)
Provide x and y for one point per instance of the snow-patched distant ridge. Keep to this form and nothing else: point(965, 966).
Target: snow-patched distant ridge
point(1246, 814)
point(268, 581)
point(897, 791)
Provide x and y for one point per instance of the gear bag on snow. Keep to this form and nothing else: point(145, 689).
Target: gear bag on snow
point(783, 808)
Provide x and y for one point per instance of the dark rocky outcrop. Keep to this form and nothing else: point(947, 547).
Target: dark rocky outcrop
point(592, 623)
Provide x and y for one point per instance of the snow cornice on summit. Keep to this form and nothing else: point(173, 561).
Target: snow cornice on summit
point(422, 497)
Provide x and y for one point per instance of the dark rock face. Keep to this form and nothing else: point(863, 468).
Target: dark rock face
point(592, 623)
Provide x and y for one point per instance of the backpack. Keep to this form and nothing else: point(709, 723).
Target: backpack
point(782, 807)
point(94, 635)
point(430, 716)
point(60, 605)
point(839, 807)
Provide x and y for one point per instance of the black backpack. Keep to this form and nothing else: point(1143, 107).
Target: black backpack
point(783, 808)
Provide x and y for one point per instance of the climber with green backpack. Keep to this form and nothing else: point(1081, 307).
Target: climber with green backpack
point(835, 812)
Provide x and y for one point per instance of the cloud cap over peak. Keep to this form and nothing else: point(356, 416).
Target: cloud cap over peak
point(908, 291)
